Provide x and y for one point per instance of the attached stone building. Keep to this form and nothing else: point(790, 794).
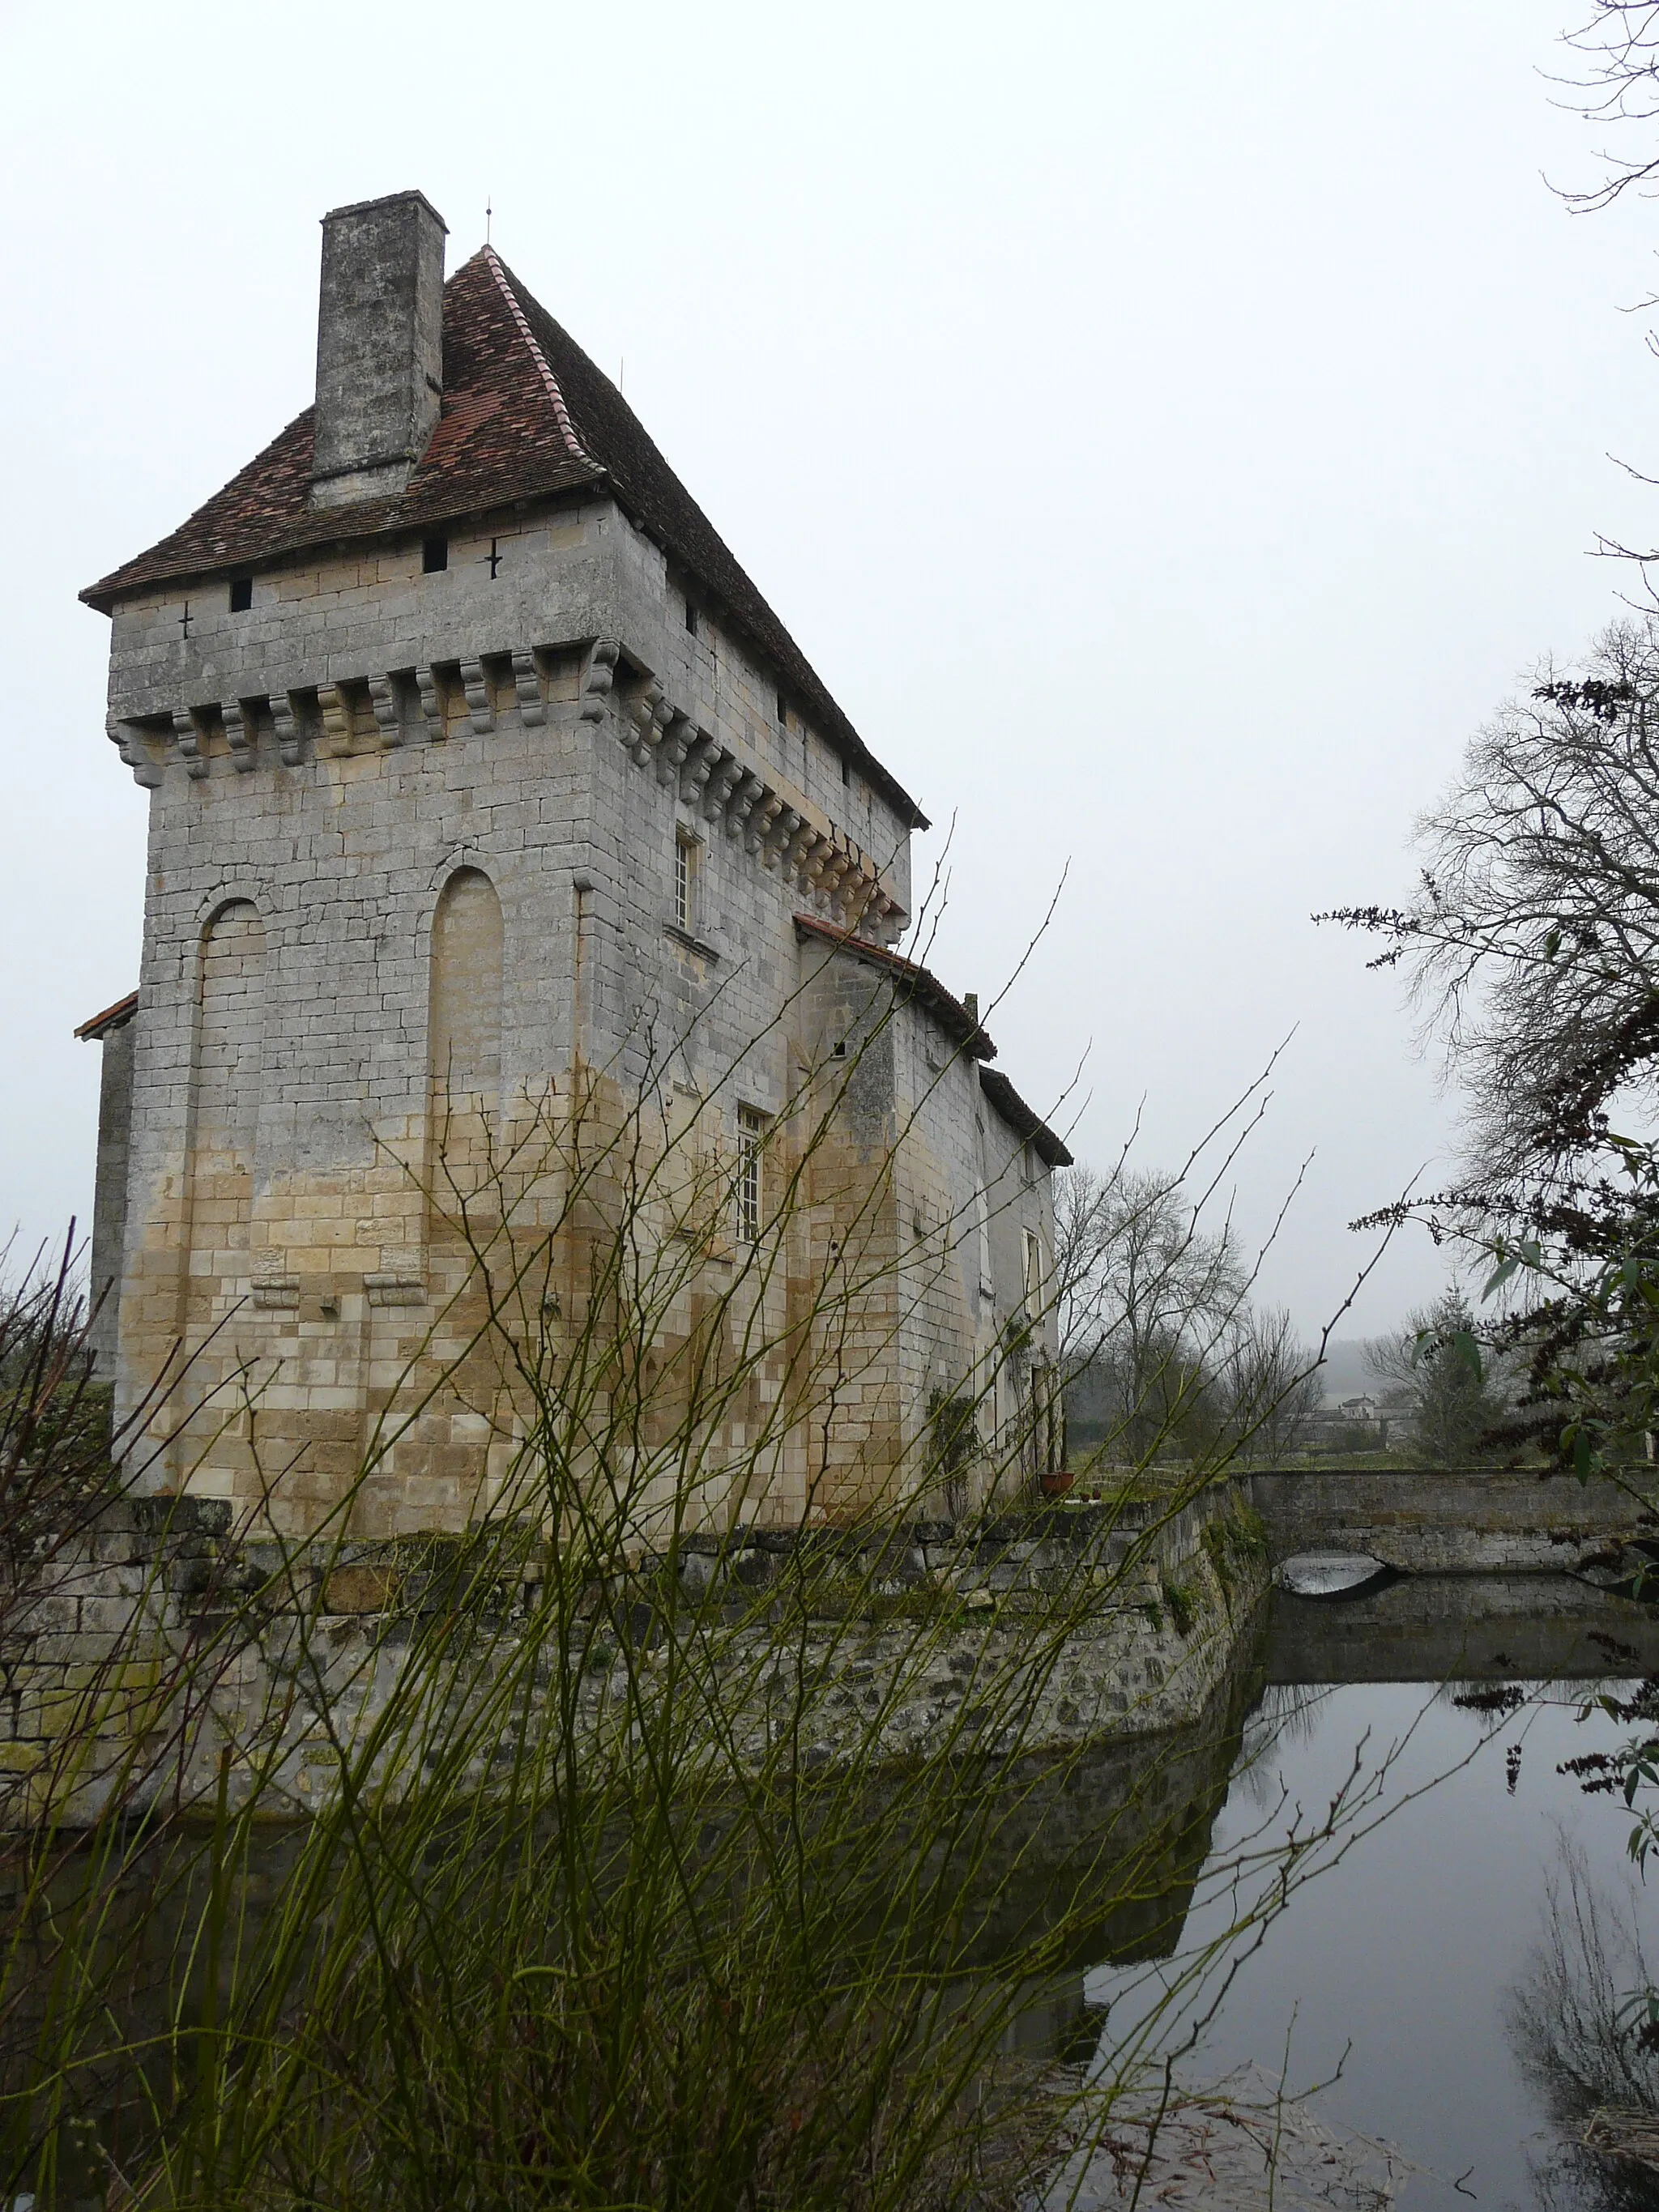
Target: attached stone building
point(484, 787)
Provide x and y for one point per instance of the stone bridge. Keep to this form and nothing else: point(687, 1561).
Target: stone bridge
point(1470, 1523)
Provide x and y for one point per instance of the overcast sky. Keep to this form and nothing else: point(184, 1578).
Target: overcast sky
point(1169, 430)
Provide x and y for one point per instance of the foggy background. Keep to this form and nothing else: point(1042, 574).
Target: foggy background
point(1167, 430)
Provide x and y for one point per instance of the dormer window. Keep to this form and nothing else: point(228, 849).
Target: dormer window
point(241, 594)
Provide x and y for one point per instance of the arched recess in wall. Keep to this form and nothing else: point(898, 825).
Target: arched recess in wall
point(463, 1029)
point(228, 1080)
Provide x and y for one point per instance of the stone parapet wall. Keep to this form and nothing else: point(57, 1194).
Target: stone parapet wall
point(1470, 1522)
point(153, 1645)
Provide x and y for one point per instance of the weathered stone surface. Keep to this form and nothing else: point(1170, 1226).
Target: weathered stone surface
point(345, 1634)
point(326, 764)
point(379, 347)
point(1430, 1521)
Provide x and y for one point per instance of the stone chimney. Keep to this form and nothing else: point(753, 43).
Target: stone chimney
point(379, 347)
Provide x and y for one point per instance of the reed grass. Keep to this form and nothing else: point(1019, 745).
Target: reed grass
point(615, 1891)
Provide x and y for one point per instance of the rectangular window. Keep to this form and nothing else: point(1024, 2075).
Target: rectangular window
point(783, 711)
point(751, 1144)
point(435, 555)
point(241, 594)
point(690, 618)
point(685, 882)
point(1033, 1272)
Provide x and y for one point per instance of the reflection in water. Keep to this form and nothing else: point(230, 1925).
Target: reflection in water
point(1430, 1712)
point(1330, 1574)
point(1569, 2026)
point(1284, 1717)
point(1430, 1819)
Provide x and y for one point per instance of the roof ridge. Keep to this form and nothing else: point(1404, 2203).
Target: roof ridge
point(973, 1039)
point(567, 429)
point(112, 1017)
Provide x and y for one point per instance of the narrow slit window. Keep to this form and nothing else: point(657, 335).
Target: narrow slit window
point(783, 712)
point(434, 555)
point(691, 617)
point(751, 1154)
point(685, 882)
point(241, 594)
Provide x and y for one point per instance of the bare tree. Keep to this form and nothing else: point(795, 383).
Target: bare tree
point(1136, 1264)
point(1617, 54)
point(1269, 1384)
point(1531, 948)
point(1456, 1397)
point(1148, 1296)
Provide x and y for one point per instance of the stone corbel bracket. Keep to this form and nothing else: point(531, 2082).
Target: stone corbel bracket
point(383, 698)
point(777, 827)
point(598, 677)
point(830, 868)
point(237, 736)
point(129, 740)
point(187, 736)
point(405, 704)
point(286, 728)
point(477, 698)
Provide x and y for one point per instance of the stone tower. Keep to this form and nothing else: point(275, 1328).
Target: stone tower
point(482, 778)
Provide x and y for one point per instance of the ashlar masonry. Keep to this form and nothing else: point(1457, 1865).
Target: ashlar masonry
point(485, 789)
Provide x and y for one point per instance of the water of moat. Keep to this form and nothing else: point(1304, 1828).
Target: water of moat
point(1468, 1924)
point(1460, 1948)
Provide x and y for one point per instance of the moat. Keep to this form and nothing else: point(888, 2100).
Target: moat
point(1461, 1959)
point(1452, 1937)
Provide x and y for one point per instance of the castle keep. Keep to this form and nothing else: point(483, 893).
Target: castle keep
point(491, 806)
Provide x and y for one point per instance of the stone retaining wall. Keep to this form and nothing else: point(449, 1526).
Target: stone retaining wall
point(151, 1642)
point(1460, 1521)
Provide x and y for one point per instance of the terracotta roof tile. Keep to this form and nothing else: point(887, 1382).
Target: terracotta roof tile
point(526, 415)
point(919, 983)
point(112, 1017)
point(1024, 1119)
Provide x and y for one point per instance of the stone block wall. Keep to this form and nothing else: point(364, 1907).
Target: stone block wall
point(110, 1193)
point(1428, 1520)
point(153, 1639)
point(411, 915)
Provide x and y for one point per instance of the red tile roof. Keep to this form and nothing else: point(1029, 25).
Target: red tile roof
point(1024, 1119)
point(919, 983)
point(110, 1018)
point(525, 416)
point(961, 1027)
